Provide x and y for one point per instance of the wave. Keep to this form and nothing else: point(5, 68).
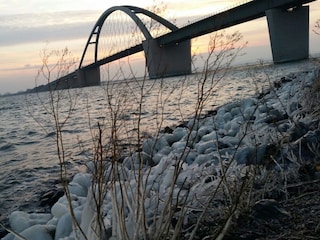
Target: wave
point(7, 147)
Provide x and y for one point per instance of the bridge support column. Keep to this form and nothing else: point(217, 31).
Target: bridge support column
point(289, 33)
point(168, 60)
point(88, 77)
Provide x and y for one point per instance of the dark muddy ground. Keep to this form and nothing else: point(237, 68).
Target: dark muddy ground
point(298, 217)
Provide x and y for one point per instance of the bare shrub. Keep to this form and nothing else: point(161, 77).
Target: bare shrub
point(126, 181)
point(56, 64)
point(153, 195)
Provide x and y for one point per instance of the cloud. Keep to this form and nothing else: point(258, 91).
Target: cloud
point(59, 26)
point(39, 6)
point(26, 28)
point(44, 33)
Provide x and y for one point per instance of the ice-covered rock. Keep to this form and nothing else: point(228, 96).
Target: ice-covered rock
point(59, 209)
point(20, 220)
point(205, 158)
point(151, 146)
point(227, 117)
point(205, 130)
point(83, 179)
point(76, 189)
point(89, 217)
point(65, 225)
point(251, 155)
point(232, 128)
point(179, 145)
point(193, 124)
point(201, 147)
point(179, 133)
point(247, 103)
point(211, 136)
point(38, 232)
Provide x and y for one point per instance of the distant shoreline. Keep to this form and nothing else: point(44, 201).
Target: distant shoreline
point(314, 57)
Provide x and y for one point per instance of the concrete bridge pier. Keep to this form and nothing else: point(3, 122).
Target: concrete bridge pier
point(88, 77)
point(168, 60)
point(289, 33)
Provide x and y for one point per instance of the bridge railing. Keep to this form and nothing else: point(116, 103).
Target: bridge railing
point(216, 13)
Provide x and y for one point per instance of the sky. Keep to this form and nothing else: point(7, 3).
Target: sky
point(27, 27)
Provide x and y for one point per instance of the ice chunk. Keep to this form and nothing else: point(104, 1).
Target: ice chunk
point(38, 232)
point(64, 226)
point(201, 147)
point(77, 189)
point(83, 179)
point(20, 220)
point(59, 209)
point(209, 137)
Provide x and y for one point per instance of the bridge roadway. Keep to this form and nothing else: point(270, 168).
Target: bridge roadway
point(240, 14)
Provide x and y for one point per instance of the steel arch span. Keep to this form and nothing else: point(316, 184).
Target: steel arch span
point(132, 12)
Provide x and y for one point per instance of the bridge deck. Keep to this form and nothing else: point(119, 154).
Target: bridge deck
point(240, 14)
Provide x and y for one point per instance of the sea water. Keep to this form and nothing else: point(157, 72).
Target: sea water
point(29, 163)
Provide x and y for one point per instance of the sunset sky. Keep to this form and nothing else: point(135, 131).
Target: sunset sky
point(27, 27)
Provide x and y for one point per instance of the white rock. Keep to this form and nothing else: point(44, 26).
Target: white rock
point(203, 158)
point(9, 236)
point(201, 147)
point(64, 226)
point(222, 110)
point(204, 130)
point(246, 103)
point(231, 128)
point(83, 179)
point(248, 112)
point(53, 221)
point(210, 150)
point(209, 137)
point(20, 220)
point(229, 140)
point(166, 150)
point(88, 212)
point(251, 155)
point(148, 146)
point(157, 157)
point(168, 177)
point(218, 122)
point(235, 111)
point(191, 157)
point(151, 146)
point(90, 166)
point(179, 133)
point(170, 138)
point(208, 121)
point(179, 145)
point(161, 143)
point(77, 189)
point(38, 232)
point(191, 138)
point(193, 124)
point(262, 108)
point(229, 106)
point(59, 209)
point(227, 117)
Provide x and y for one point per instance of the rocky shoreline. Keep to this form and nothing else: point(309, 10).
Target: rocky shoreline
point(280, 139)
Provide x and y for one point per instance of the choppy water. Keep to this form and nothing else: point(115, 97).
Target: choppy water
point(28, 156)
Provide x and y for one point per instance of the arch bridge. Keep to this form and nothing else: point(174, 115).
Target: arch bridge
point(169, 53)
